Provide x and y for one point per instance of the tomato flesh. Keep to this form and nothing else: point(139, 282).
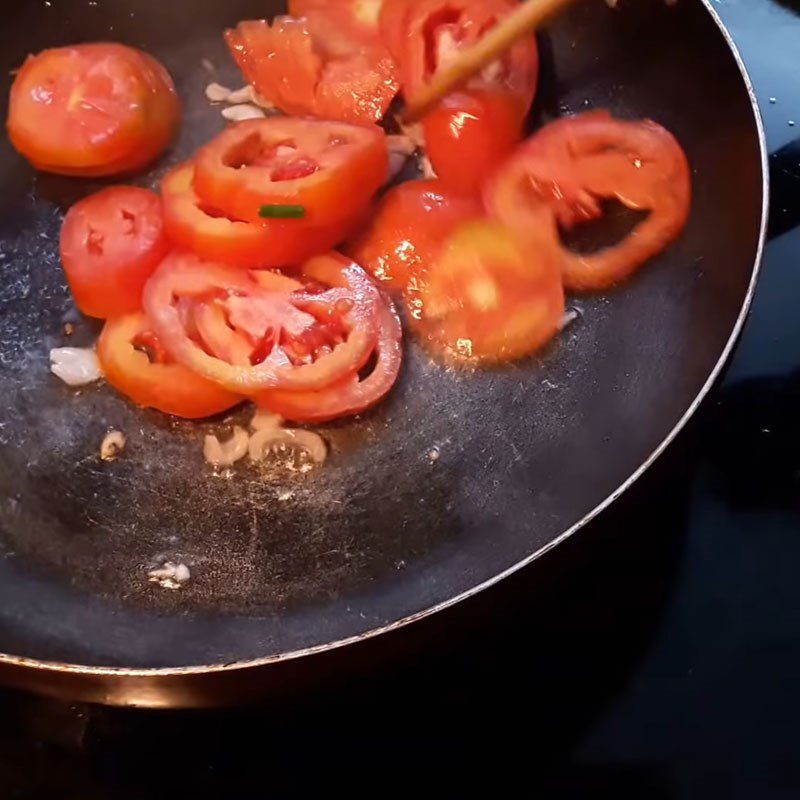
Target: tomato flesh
point(92, 110)
point(490, 295)
point(307, 71)
point(135, 364)
point(408, 228)
point(110, 244)
point(565, 169)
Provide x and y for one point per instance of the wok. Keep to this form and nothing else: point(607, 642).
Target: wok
point(455, 481)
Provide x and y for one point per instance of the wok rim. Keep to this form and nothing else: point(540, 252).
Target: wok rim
point(55, 667)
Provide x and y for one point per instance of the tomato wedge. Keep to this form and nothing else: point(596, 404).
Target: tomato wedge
point(432, 31)
point(408, 229)
point(352, 394)
point(308, 70)
point(210, 234)
point(471, 133)
point(490, 295)
point(331, 169)
point(299, 340)
point(92, 109)
point(136, 365)
point(110, 244)
point(570, 165)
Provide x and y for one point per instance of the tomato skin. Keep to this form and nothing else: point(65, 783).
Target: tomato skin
point(307, 70)
point(237, 172)
point(110, 244)
point(565, 169)
point(490, 295)
point(167, 387)
point(92, 110)
point(409, 226)
point(470, 133)
point(356, 20)
point(433, 29)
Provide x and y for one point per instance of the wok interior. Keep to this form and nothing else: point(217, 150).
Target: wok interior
point(452, 480)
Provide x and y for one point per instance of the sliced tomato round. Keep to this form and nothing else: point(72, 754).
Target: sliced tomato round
point(92, 110)
point(408, 229)
point(352, 394)
point(212, 235)
point(568, 167)
point(471, 133)
point(110, 244)
point(305, 70)
point(433, 32)
point(331, 169)
point(135, 364)
point(298, 340)
point(490, 295)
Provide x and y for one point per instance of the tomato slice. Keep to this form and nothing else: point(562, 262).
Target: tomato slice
point(351, 395)
point(408, 229)
point(355, 20)
point(136, 365)
point(94, 109)
point(332, 169)
point(570, 165)
point(433, 31)
point(319, 71)
point(471, 133)
point(490, 295)
point(299, 340)
point(210, 234)
point(110, 244)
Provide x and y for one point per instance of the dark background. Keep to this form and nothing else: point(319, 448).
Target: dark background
point(654, 655)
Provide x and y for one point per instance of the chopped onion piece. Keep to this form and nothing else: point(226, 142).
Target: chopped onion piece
point(244, 95)
point(76, 366)
point(265, 420)
point(224, 454)
point(426, 167)
point(242, 112)
point(112, 445)
point(217, 93)
point(170, 576)
point(269, 439)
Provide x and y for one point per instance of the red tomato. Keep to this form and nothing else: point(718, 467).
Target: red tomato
point(356, 20)
point(351, 394)
point(111, 242)
point(298, 340)
point(332, 169)
point(470, 134)
point(135, 364)
point(490, 295)
point(93, 109)
point(408, 229)
point(392, 25)
point(211, 235)
point(433, 31)
point(570, 165)
point(291, 67)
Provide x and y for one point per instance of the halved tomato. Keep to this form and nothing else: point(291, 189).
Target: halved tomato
point(353, 393)
point(331, 169)
point(490, 295)
point(470, 133)
point(210, 234)
point(110, 244)
point(408, 229)
point(135, 364)
point(93, 109)
point(298, 340)
point(433, 31)
point(319, 75)
point(566, 168)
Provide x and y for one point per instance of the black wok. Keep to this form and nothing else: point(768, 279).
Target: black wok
point(452, 483)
